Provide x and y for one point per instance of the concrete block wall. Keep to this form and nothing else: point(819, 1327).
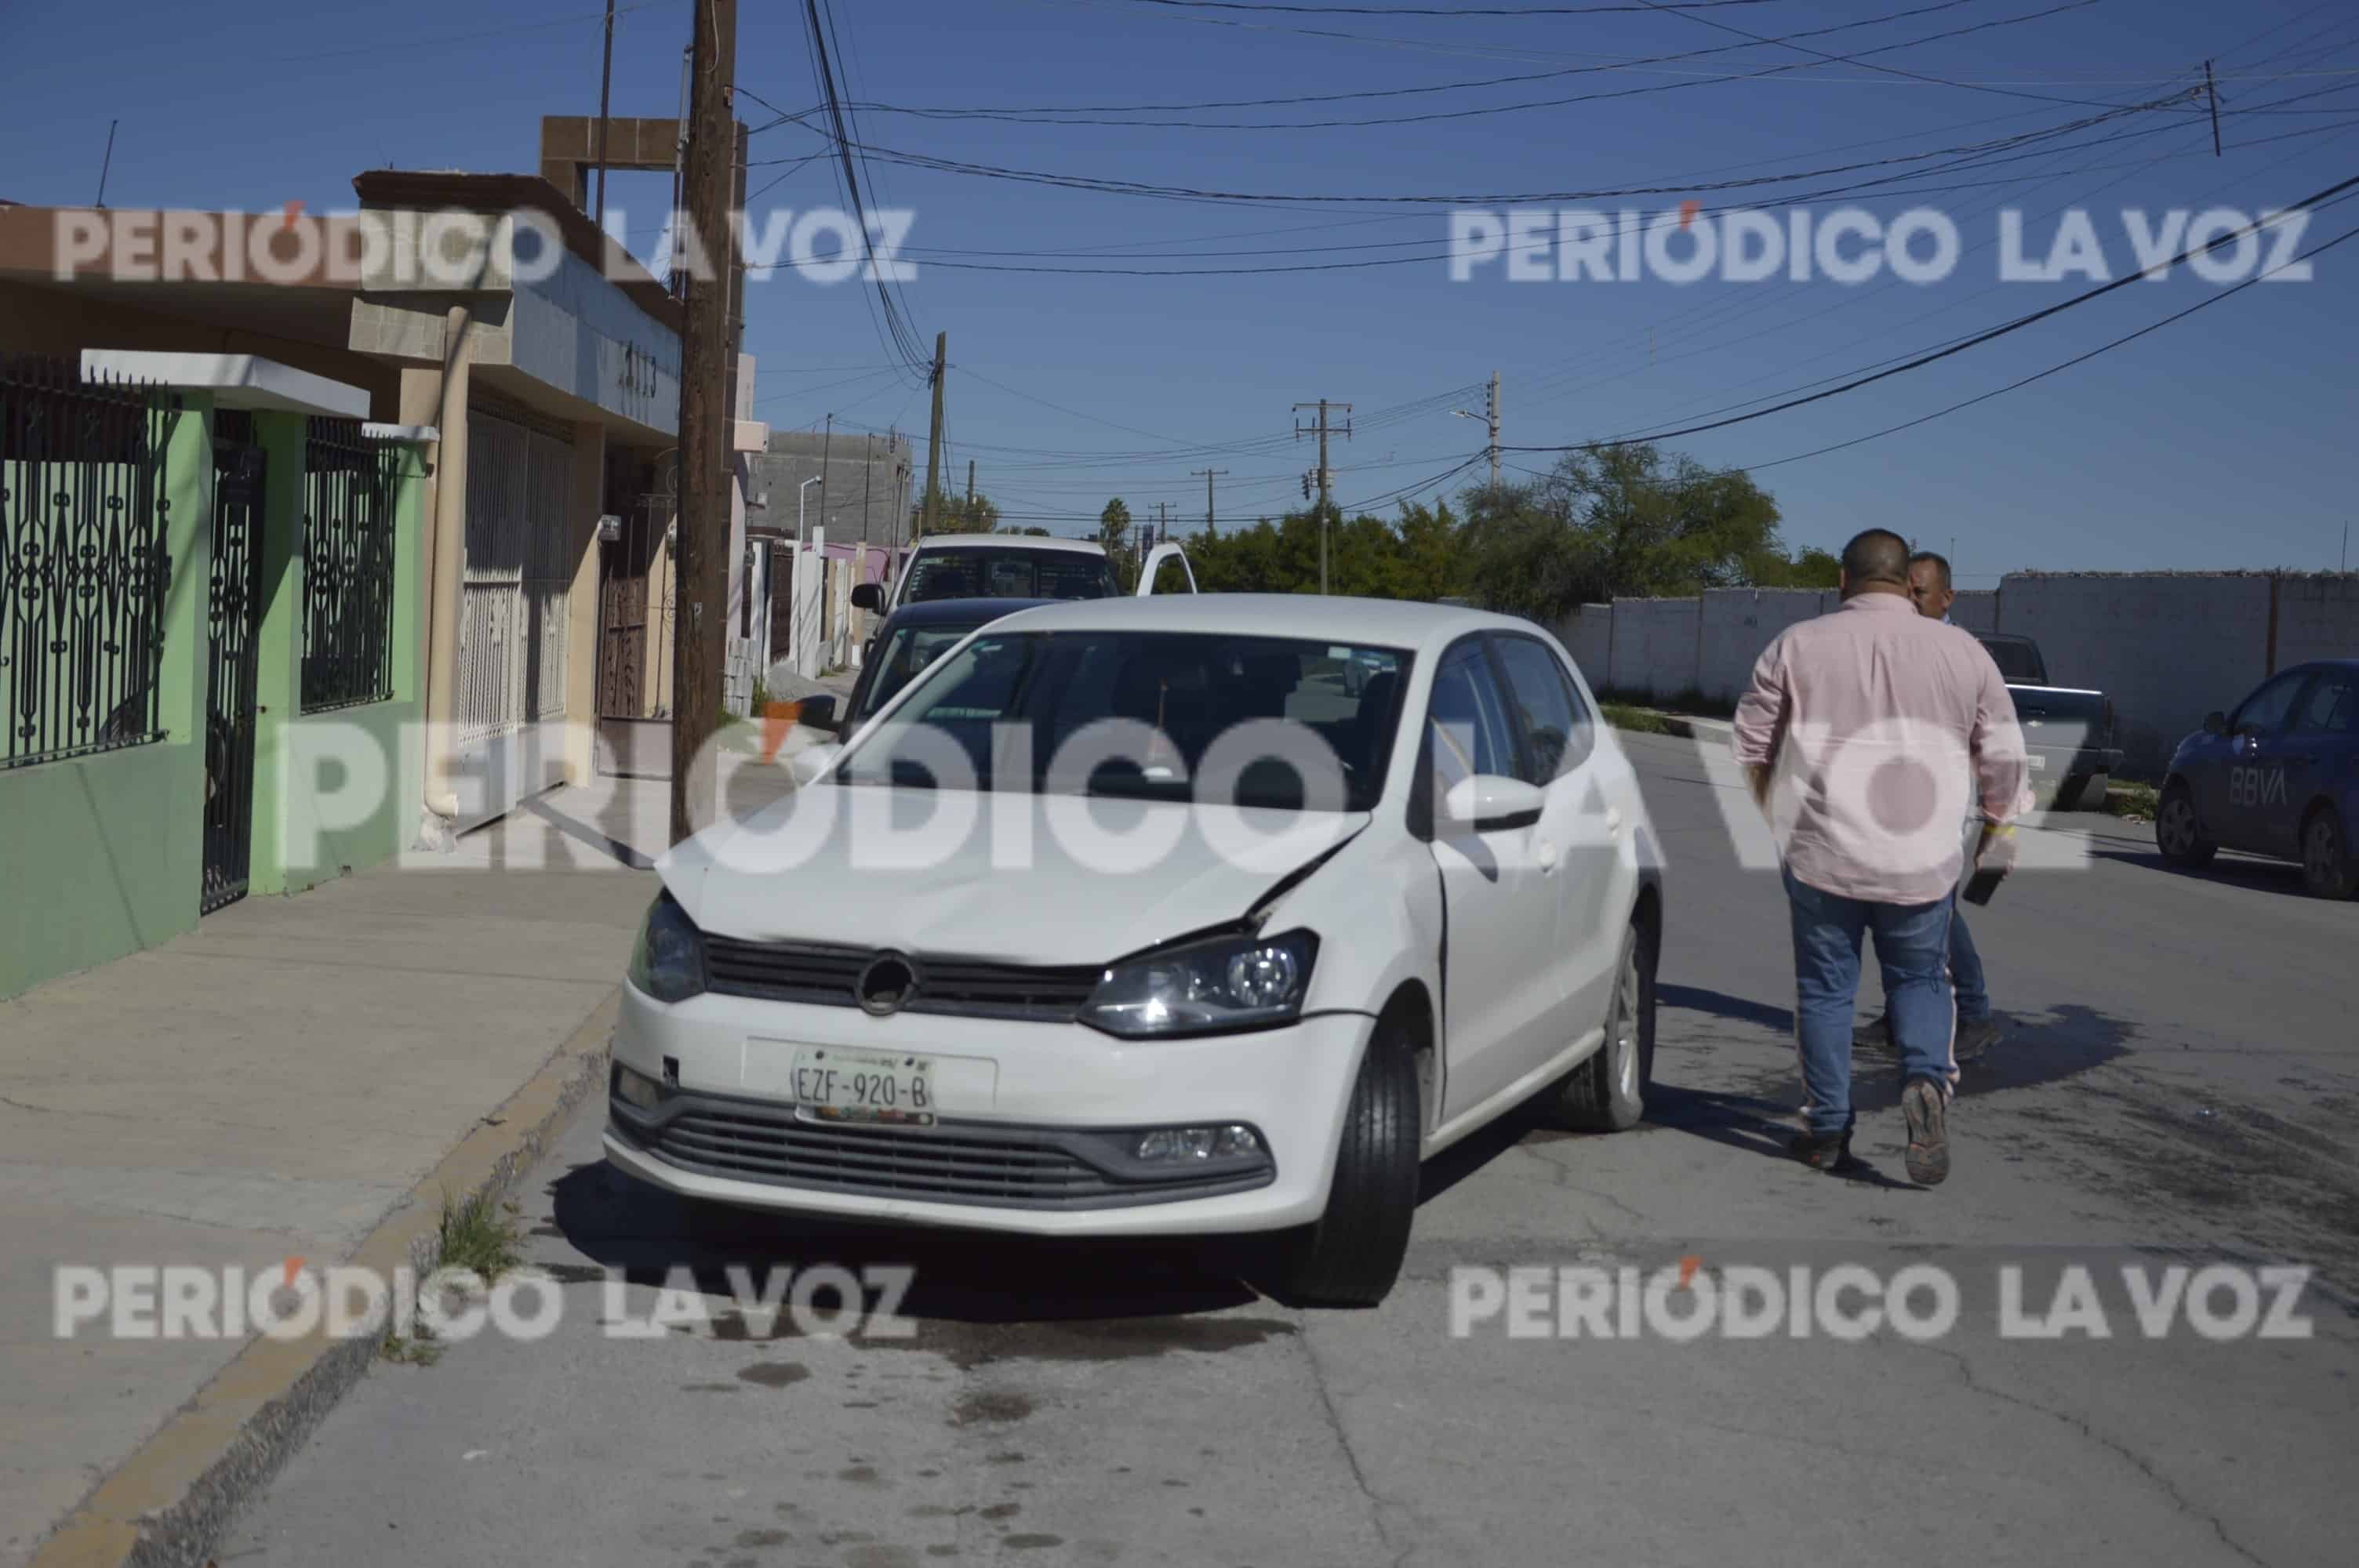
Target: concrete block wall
point(1588, 635)
point(1976, 609)
point(2167, 648)
point(2317, 618)
point(1652, 646)
point(1738, 623)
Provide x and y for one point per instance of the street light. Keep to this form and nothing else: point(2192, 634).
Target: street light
point(794, 579)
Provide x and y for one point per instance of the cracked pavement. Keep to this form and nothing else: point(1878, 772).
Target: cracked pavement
point(2177, 1091)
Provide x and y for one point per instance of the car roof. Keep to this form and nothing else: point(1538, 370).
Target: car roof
point(960, 612)
point(1011, 542)
point(1378, 622)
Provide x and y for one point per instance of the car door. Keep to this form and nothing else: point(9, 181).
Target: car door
point(2233, 789)
point(2319, 750)
point(1153, 564)
point(1577, 842)
point(1501, 996)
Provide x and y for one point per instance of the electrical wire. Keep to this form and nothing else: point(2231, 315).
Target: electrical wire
point(2002, 331)
point(2203, 304)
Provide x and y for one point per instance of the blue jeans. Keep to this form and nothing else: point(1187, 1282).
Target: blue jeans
point(1967, 972)
point(1912, 947)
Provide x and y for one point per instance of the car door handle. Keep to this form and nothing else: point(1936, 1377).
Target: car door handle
point(1546, 854)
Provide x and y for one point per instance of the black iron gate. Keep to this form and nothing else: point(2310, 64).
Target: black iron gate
point(234, 611)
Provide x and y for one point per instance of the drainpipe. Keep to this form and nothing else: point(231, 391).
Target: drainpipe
point(445, 565)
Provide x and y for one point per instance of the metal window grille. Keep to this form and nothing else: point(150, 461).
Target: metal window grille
point(84, 561)
point(349, 485)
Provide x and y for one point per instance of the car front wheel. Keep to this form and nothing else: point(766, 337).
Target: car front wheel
point(2327, 869)
point(1352, 1255)
point(2178, 834)
point(1608, 1092)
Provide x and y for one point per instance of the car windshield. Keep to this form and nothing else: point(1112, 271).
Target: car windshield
point(1012, 573)
point(911, 650)
point(1328, 714)
point(2015, 661)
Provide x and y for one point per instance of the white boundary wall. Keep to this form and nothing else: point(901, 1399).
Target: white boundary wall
point(2168, 647)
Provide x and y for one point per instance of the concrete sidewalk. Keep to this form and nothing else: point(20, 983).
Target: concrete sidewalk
point(273, 1086)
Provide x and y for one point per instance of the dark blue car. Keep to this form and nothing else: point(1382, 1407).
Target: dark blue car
point(2280, 776)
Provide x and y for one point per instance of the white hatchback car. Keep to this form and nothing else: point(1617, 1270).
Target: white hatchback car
point(1167, 917)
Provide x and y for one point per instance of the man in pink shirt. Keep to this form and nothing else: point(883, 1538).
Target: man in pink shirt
point(1858, 735)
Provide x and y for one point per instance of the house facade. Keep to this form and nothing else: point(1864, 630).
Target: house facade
point(318, 555)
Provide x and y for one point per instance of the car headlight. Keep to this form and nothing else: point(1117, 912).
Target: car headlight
point(1233, 982)
point(668, 964)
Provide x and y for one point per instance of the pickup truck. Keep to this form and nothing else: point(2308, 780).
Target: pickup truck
point(2068, 731)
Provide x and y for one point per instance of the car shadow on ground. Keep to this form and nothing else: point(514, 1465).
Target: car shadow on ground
point(2229, 871)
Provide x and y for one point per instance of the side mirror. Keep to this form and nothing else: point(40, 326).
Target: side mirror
point(867, 596)
point(820, 713)
point(1490, 803)
point(2216, 723)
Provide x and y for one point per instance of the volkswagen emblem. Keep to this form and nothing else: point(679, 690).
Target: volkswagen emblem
point(885, 985)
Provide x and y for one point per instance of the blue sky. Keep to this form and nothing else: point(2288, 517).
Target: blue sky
point(2223, 441)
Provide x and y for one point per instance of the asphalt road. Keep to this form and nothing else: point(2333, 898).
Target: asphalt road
point(2178, 1091)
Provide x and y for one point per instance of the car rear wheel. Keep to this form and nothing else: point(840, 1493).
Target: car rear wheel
point(1608, 1092)
point(2177, 833)
point(1352, 1255)
point(2327, 869)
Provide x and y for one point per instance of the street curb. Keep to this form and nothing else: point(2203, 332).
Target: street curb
point(169, 1503)
point(1713, 730)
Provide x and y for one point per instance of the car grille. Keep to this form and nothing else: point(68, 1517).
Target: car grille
point(1006, 1168)
point(791, 971)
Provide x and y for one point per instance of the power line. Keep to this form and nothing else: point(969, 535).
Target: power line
point(900, 334)
point(1999, 331)
point(1073, 118)
point(1438, 10)
point(2203, 304)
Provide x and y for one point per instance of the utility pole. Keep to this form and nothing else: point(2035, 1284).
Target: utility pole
point(1208, 474)
point(2211, 90)
point(970, 492)
point(933, 443)
point(1326, 476)
point(702, 565)
point(1494, 430)
point(605, 99)
point(826, 444)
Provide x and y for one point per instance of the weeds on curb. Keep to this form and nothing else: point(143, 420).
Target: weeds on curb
point(478, 1234)
point(1636, 719)
point(2138, 802)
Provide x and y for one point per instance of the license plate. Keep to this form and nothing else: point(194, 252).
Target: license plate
point(2036, 762)
point(835, 1084)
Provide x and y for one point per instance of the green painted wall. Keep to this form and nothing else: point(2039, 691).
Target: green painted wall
point(344, 798)
point(103, 855)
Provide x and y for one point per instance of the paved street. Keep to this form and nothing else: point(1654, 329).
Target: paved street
point(2179, 1090)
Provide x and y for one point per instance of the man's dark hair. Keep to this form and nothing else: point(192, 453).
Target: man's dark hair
point(1940, 564)
point(1878, 554)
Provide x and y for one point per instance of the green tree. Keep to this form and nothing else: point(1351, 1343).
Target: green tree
point(1113, 526)
point(959, 514)
point(1618, 521)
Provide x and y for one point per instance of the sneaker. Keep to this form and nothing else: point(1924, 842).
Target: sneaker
point(1828, 1152)
point(1977, 1037)
point(1876, 1039)
point(1926, 1108)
